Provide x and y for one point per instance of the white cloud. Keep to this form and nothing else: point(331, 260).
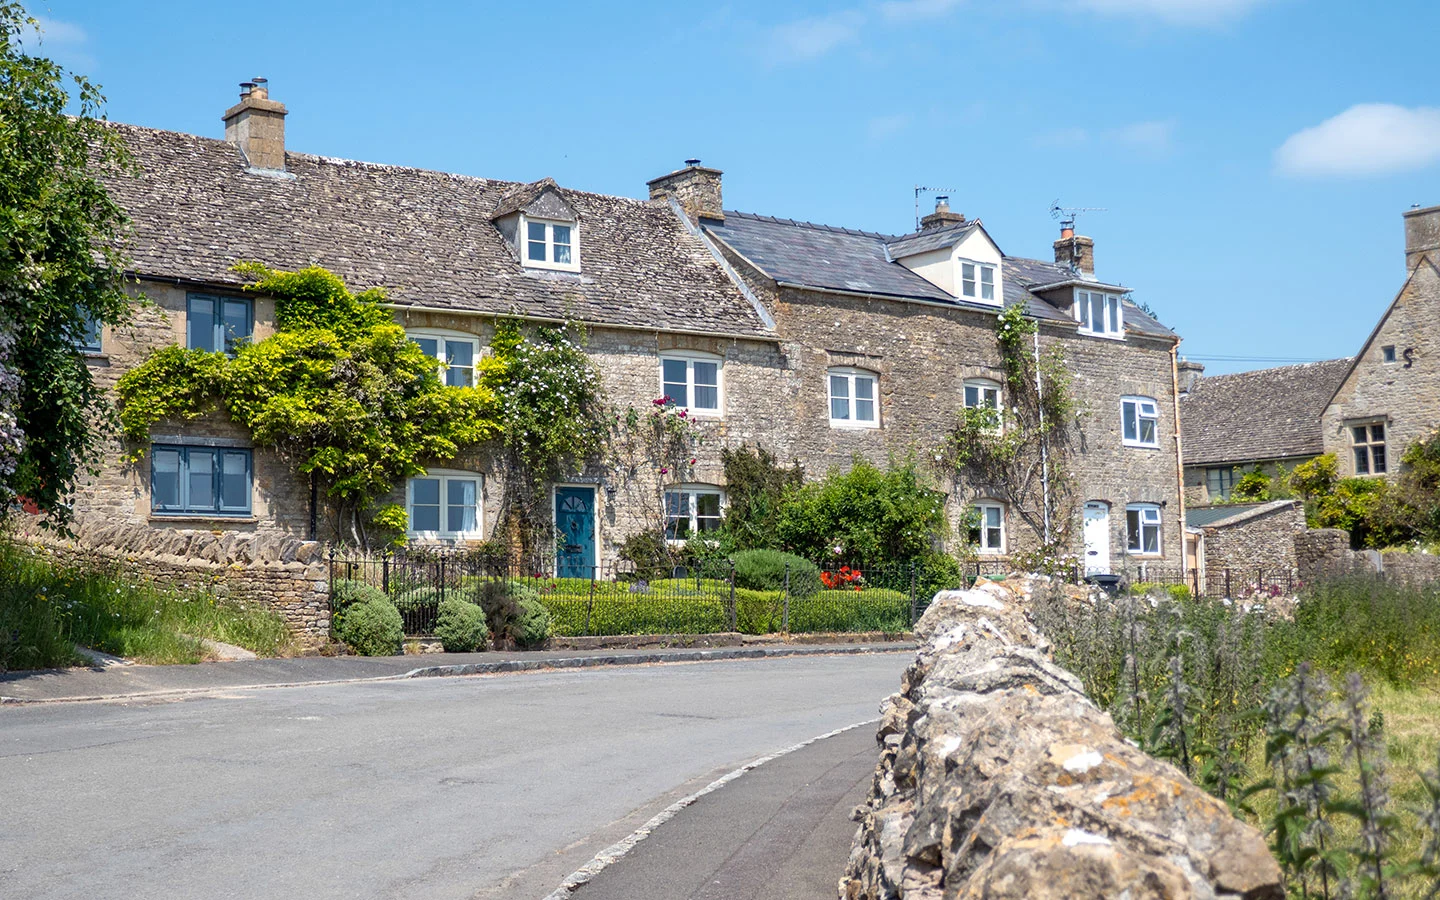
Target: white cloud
point(911, 10)
point(1146, 137)
point(882, 127)
point(814, 37)
point(1366, 139)
point(1180, 12)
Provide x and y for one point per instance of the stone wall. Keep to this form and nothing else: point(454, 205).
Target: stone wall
point(1325, 553)
point(284, 574)
point(1260, 539)
point(999, 779)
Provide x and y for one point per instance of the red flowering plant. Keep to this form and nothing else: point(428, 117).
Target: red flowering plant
point(844, 579)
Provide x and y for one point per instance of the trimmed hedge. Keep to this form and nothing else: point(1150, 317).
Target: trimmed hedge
point(460, 626)
point(372, 628)
point(765, 570)
point(872, 609)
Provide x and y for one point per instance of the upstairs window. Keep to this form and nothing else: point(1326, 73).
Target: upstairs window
point(454, 355)
point(982, 393)
point(1220, 481)
point(692, 510)
point(217, 323)
point(1142, 529)
point(87, 339)
point(1388, 352)
point(1099, 313)
point(444, 506)
point(551, 245)
point(987, 527)
point(977, 281)
point(691, 382)
point(1368, 442)
point(853, 399)
point(207, 481)
point(1140, 422)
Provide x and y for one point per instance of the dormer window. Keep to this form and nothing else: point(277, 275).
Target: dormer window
point(1099, 314)
point(977, 281)
point(551, 245)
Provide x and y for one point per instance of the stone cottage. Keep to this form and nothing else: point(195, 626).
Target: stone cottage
point(820, 343)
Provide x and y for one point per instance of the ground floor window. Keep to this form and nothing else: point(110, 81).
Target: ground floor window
point(1220, 481)
point(1368, 442)
point(1142, 527)
point(191, 480)
point(444, 506)
point(692, 509)
point(987, 527)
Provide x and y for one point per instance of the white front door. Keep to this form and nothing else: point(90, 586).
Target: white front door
point(1097, 538)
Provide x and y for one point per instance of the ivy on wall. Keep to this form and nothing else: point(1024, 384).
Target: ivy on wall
point(338, 391)
point(1022, 456)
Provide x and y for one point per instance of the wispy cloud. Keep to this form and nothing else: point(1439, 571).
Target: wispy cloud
point(64, 42)
point(806, 39)
point(1154, 138)
point(881, 127)
point(1366, 139)
point(1179, 12)
point(913, 10)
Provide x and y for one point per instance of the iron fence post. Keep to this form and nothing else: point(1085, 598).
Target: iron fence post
point(442, 579)
point(385, 573)
point(590, 605)
point(1195, 577)
point(734, 623)
point(785, 611)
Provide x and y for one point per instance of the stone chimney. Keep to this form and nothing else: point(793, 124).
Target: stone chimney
point(696, 188)
point(1422, 235)
point(942, 216)
point(1189, 373)
point(257, 126)
point(1075, 251)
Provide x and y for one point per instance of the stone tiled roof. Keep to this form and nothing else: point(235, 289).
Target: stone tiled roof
point(1260, 415)
point(846, 259)
point(426, 237)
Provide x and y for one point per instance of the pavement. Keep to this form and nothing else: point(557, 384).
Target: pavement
point(497, 786)
point(105, 682)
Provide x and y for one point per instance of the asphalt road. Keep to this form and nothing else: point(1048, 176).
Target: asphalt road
point(494, 786)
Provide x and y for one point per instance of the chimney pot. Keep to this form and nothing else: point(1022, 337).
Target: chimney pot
point(942, 216)
point(256, 126)
point(696, 188)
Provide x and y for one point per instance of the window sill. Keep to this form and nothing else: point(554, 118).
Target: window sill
point(1144, 556)
point(193, 517)
point(698, 413)
point(550, 267)
point(1135, 446)
point(1108, 336)
point(855, 426)
point(444, 538)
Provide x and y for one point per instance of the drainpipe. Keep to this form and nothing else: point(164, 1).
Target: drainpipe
point(1044, 449)
point(1179, 453)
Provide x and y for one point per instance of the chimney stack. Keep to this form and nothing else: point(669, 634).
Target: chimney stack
point(696, 188)
point(1189, 373)
point(942, 216)
point(256, 125)
point(1422, 235)
point(1075, 251)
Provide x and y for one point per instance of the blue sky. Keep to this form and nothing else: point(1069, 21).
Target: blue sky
point(1253, 156)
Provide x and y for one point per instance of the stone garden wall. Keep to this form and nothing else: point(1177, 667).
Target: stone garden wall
point(283, 573)
point(999, 779)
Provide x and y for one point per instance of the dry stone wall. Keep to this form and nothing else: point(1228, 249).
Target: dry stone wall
point(282, 573)
point(998, 778)
point(1325, 553)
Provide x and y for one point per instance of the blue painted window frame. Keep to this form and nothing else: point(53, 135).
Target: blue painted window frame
point(88, 338)
point(210, 331)
point(183, 505)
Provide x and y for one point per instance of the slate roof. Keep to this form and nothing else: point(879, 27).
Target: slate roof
point(1259, 415)
point(934, 239)
point(846, 259)
point(1231, 514)
point(426, 237)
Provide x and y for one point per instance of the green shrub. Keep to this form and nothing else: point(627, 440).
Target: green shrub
point(460, 626)
point(637, 614)
point(1177, 592)
point(871, 609)
point(648, 552)
point(516, 613)
point(758, 612)
point(345, 592)
point(372, 628)
point(1364, 625)
point(755, 486)
point(765, 570)
point(531, 627)
point(409, 600)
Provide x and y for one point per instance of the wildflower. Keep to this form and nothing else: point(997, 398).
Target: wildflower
point(664, 470)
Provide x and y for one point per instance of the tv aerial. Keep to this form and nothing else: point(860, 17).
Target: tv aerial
point(1066, 215)
point(921, 189)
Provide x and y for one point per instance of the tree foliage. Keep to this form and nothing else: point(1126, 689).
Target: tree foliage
point(346, 397)
point(61, 266)
point(755, 486)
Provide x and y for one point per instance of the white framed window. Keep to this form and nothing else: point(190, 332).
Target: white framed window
point(1219, 482)
point(977, 281)
point(454, 354)
point(1367, 440)
point(1099, 313)
point(987, 526)
point(1140, 422)
point(692, 381)
point(87, 339)
point(1142, 529)
point(548, 244)
point(445, 505)
point(692, 509)
point(982, 393)
point(854, 398)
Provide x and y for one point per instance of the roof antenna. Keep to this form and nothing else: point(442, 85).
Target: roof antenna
point(1067, 215)
point(920, 189)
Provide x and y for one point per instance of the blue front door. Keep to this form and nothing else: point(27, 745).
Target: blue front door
point(575, 527)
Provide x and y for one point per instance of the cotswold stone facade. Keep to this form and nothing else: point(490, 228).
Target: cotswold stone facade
point(759, 316)
point(1249, 539)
